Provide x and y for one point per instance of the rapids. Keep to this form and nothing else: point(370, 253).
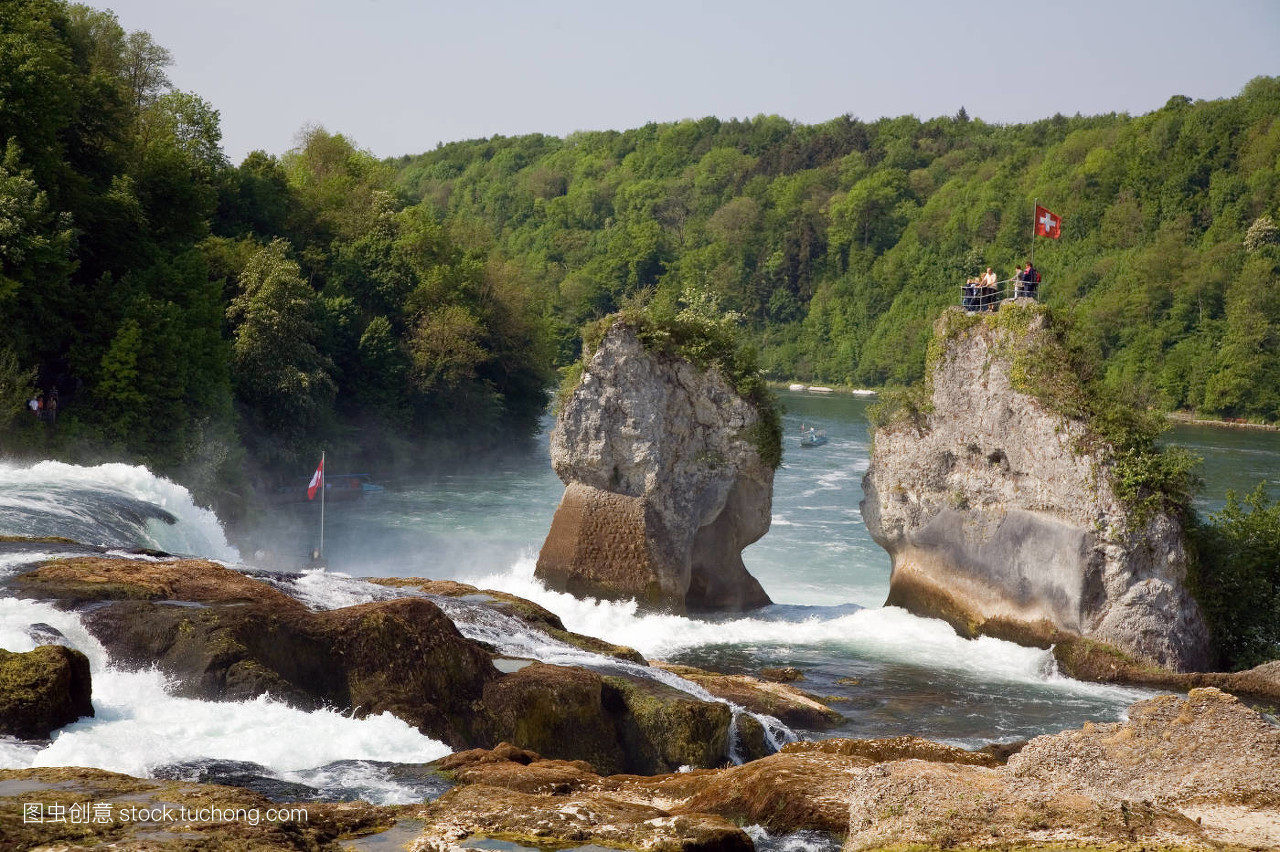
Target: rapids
point(887, 671)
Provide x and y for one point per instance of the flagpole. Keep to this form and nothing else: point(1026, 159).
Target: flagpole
point(1034, 207)
point(323, 475)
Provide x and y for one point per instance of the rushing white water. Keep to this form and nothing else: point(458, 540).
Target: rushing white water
point(893, 672)
point(111, 505)
point(513, 638)
point(139, 726)
point(886, 633)
point(799, 841)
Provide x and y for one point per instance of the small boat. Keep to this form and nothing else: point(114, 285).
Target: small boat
point(820, 389)
point(812, 437)
point(862, 392)
point(795, 387)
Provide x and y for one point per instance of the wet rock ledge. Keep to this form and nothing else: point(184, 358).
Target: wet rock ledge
point(1194, 773)
point(223, 635)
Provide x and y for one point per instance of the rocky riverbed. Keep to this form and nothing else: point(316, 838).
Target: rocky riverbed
point(556, 756)
point(1183, 773)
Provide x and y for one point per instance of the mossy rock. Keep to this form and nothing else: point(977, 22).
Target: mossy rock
point(42, 690)
point(666, 728)
point(561, 712)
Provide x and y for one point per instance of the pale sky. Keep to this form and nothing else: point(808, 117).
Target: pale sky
point(399, 76)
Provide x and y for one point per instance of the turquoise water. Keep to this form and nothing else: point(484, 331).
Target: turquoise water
point(889, 672)
point(1234, 459)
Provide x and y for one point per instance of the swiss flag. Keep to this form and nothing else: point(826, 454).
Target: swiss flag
point(317, 481)
point(1048, 224)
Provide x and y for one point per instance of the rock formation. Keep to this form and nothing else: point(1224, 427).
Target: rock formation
point(1198, 772)
point(1185, 773)
point(42, 690)
point(794, 707)
point(664, 484)
point(1001, 515)
point(240, 637)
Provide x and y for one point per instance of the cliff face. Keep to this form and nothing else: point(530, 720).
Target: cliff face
point(1000, 519)
point(664, 484)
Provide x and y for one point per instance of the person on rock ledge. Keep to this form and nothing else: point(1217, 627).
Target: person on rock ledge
point(987, 289)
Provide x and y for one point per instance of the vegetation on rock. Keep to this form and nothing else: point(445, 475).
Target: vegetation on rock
point(1045, 362)
point(42, 690)
point(696, 329)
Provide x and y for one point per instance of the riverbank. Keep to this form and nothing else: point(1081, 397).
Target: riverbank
point(805, 387)
point(1190, 419)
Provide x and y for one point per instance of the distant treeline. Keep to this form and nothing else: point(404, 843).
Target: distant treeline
point(841, 242)
point(196, 314)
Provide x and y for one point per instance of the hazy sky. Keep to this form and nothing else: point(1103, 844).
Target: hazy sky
point(398, 76)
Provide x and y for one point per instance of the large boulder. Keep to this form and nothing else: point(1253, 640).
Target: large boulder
point(1001, 514)
point(1199, 772)
point(235, 637)
point(619, 723)
point(665, 483)
point(42, 690)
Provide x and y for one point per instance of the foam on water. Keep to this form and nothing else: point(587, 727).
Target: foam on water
point(884, 633)
point(798, 841)
point(12, 563)
point(112, 505)
point(323, 590)
point(140, 726)
point(513, 638)
point(365, 779)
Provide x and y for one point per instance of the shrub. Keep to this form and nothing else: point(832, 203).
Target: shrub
point(1238, 580)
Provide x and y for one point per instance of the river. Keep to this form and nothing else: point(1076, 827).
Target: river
point(886, 671)
point(890, 672)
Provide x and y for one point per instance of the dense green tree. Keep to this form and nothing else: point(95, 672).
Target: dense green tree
point(1239, 578)
point(15, 388)
point(282, 380)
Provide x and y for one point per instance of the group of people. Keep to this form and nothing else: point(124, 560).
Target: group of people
point(981, 293)
point(44, 405)
point(1027, 282)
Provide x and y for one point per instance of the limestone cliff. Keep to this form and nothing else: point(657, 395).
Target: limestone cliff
point(664, 483)
point(1001, 515)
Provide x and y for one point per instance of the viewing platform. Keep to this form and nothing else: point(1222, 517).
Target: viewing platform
point(976, 297)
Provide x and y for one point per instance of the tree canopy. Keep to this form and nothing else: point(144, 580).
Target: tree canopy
point(191, 311)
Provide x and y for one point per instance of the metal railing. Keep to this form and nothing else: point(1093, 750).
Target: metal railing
point(976, 297)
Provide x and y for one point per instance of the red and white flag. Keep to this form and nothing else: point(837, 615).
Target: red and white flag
point(317, 481)
point(1047, 224)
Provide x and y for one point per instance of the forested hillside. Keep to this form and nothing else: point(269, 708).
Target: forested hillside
point(841, 242)
point(187, 310)
point(209, 318)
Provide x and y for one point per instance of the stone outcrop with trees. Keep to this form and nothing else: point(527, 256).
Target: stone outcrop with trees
point(1015, 503)
point(666, 443)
